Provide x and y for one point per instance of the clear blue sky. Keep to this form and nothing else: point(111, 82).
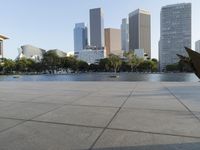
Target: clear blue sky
point(49, 24)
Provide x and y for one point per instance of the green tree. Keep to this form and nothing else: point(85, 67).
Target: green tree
point(172, 67)
point(115, 62)
point(94, 67)
point(104, 64)
point(38, 67)
point(154, 67)
point(82, 66)
point(51, 61)
point(22, 65)
point(132, 60)
point(125, 67)
point(8, 65)
point(146, 65)
point(70, 63)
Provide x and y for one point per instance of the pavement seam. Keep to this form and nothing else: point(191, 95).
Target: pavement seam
point(31, 119)
point(91, 93)
point(12, 126)
point(26, 120)
point(152, 109)
point(106, 127)
point(31, 100)
point(95, 127)
point(127, 107)
point(191, 112)
point(49, 122)
point(155, 133)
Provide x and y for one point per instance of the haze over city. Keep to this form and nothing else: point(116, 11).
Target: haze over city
point(49, 24)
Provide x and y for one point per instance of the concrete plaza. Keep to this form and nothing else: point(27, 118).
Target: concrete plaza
point(99, 116)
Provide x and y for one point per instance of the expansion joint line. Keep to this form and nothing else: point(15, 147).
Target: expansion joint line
point(181, 103)
point(32, 119)
point(106, 127)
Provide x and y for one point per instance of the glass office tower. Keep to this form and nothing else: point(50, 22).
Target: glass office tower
point(96, 28)
point(80, 37)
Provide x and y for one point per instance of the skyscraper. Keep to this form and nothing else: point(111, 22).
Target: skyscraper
point(140, 31)
point(96, 28)
point(125, 35)
point(175, 33)
point(113, 41)
point(197, 46)
point(2, 38)
point(80, 37)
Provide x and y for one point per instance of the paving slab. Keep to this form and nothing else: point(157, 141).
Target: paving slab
point(80, 115)
point(189, 95)
point(26, 110)
point(59, 99)
point(23, 91)
point(42, 136)
point(150, 92)
point(166, 122)
point(191, 104)
point(111, 94)
point(8, 123)
point(71, 115)
point(124, 140)
point(164, 102)
point(19, 97)
point(112, 101)
point(5, 103)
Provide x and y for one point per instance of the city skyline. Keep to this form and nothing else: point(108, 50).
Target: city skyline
point(25, 26)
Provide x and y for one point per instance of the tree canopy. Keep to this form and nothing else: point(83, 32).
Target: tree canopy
point(52, 63)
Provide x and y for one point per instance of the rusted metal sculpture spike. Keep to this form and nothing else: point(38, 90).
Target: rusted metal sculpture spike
point(194, 61)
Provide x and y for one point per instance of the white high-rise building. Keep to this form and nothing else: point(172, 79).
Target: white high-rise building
point(2, 38)
point(125, 35)
point(80, 37)
point(175, 33)
point(197, 46)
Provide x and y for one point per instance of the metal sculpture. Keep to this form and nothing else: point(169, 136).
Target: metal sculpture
point(193, 60)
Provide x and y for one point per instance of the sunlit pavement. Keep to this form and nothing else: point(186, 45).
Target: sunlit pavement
point(99, 115)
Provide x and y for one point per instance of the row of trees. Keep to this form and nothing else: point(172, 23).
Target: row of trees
point(130, 63)
point(179, 67)
point(51, 63)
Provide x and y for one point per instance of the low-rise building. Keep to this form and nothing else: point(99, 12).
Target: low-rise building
point(35, 53)
point(139, 53)
point(31, 52)
point(90, 56)
point(70, 53)
point(58, 52)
